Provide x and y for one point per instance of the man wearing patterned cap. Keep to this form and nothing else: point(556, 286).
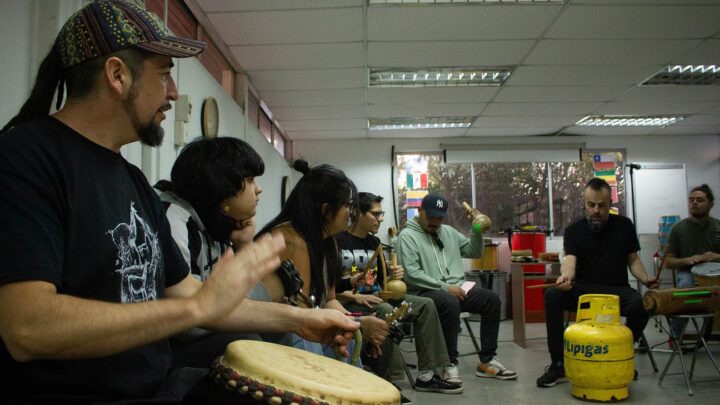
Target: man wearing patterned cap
point(91, 284)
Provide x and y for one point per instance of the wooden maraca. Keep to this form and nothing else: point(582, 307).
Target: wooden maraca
point(396, 288)
point(480, 221)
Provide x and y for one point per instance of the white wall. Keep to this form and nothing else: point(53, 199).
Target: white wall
point(35, 23)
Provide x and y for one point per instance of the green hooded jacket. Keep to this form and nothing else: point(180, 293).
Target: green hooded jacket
point(427, 267)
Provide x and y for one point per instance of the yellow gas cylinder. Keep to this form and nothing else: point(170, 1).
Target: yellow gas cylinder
point(599, 356)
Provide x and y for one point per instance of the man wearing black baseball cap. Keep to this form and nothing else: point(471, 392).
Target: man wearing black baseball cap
point(431, 254)
point(92, 284)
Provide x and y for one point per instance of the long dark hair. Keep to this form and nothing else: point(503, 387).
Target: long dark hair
point(80, 80)
point(209, 171)
point(323, 184)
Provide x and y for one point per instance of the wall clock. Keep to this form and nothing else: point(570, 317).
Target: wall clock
point(210, 118)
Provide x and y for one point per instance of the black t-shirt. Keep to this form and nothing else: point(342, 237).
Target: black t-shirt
point(81, 217)
point(602, 256)
point(356, 252)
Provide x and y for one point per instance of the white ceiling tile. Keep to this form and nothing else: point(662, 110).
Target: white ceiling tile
point(422, 95)
point(636, 22)
point(259, 5)
point(325, 125)
point(447, 53)
point(510, 131)
point(644, 2)
point(309, 135)
point(417, 133)
point(614, 131)
point(462, 22)
point(319, 112)
point(671, 94)
point(304, 56)
point(701, 120)
point(580, 75)
point(272, 80)
point(557, 94)
point(424, 110)
point(290, 27)
point(689, 130)
point(708, 53)
point(653, 107)
point(526, 122)
point(303, 98)
point(519, 109)
point(625, 52)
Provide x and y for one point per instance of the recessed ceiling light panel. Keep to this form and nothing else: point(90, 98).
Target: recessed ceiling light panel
point(419, 123)
point(629, 120)
point(686, 75)
point(439, 77)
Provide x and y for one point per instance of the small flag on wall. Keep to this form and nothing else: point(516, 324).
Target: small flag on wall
point(417, 180)
point(414, 197)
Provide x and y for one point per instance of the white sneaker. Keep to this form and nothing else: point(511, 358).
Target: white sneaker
point(451, 374)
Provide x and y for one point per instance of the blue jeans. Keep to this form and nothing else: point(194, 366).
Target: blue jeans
point(683, 279)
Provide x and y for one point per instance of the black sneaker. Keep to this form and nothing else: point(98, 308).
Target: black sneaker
point(435, 384)
point(554, 375)
point(405, 400)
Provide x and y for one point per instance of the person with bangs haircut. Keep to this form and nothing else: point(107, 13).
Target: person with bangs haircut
point(92, 284)
point(210, 203)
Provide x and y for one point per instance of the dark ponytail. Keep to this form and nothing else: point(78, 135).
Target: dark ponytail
point(49, 78)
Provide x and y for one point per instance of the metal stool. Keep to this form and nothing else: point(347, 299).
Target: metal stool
point(465, 316)
point(677, 345)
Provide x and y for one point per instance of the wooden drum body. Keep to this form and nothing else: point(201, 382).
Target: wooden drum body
point(705, 281)
point(682, 300)
point(279, 374)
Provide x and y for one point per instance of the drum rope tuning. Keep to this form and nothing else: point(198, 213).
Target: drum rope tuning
point(355, 359)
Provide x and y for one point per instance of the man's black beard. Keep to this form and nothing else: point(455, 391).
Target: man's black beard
point(698, 215)
point(150, 134)
point(595, 227)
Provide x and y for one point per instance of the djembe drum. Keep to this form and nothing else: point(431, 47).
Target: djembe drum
point(277, 374)
point(708, 275)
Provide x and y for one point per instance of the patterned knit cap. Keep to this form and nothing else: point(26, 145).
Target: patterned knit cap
point(105, 26)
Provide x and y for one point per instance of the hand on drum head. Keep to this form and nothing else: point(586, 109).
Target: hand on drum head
point(322, 325)
point(234, 275)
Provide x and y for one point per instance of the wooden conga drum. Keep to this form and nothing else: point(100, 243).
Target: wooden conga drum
point(276, 374)
point(708, 275)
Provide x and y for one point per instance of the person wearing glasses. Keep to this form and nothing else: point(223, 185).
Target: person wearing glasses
point(357, 246)
point(431, 254)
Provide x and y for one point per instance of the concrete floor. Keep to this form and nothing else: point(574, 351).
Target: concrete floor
point(530, 364)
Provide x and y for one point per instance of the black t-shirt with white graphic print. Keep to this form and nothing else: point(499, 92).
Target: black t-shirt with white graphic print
point(356, 252)
point(81, 217)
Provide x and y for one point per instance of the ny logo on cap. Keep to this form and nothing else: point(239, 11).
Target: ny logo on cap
point(439, 203)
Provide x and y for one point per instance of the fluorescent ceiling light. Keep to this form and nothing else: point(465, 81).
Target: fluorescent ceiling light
point(686, 75)
point(455, 2)
point(629, 120)
point(439, 77)
point(419, 123)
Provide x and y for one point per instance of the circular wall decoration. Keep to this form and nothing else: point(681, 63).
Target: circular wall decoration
point(210, 118)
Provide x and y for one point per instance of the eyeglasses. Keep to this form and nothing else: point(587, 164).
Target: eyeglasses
point(377, 214)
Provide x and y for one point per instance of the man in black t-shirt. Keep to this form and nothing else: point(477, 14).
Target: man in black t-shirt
point(599, 249)
point(357, 247)
point(91, 283)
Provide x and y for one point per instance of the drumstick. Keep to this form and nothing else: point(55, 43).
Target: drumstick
point(548, 285)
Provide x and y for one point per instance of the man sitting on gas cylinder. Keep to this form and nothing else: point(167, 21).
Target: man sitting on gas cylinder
point(599, 249)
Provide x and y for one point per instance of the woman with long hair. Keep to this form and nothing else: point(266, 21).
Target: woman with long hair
point(322, 204)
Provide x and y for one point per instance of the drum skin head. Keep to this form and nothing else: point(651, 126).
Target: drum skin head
point(307, 374)
point(707, 269)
